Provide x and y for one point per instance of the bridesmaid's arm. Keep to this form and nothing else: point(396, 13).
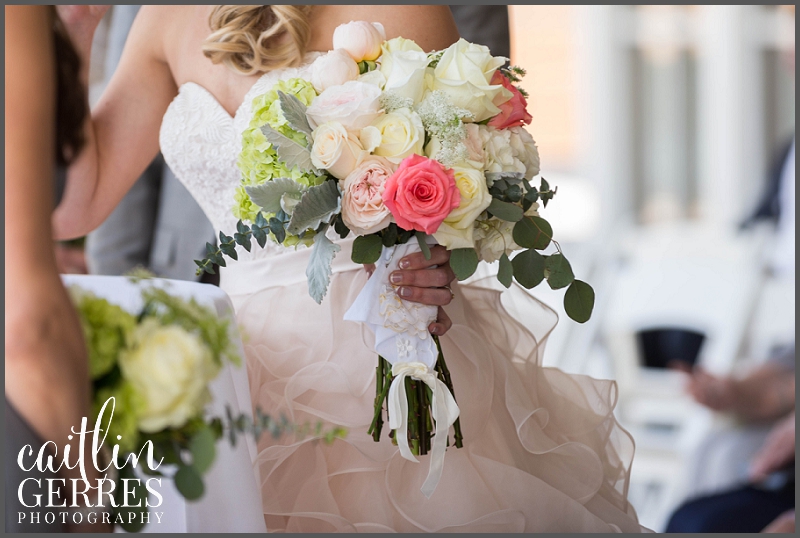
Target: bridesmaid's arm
point(122, 134)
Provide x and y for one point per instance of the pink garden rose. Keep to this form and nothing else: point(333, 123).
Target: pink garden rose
point(363, 210)
point(513, 113)
point(420, 194)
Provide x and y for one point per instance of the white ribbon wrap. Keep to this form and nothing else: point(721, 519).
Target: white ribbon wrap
point(402, 338)
point(445, 412)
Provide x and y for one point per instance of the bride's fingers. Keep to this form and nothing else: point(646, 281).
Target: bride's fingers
point(423, 278)
point(439, 256)
point(442, 323)
point(429, 296)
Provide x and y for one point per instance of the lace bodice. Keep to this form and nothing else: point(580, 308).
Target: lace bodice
point(200, 142)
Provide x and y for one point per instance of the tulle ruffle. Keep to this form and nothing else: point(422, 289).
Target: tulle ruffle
point(542, 450)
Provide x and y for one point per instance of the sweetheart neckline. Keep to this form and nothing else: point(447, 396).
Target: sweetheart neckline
point(235, 115)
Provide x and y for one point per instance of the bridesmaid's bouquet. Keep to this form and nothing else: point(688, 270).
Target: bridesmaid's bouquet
point(150, 373)
point(403, 149)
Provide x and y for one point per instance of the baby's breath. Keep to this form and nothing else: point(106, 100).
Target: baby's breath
point(443, 121)
point(391, 101)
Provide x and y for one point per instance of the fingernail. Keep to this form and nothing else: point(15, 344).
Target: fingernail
point(435, 329)
point(395, 278)
point(404, 291)
point(404, 264)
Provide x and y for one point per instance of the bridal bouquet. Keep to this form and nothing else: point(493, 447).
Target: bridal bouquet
point(150, 376)
point(404, 149)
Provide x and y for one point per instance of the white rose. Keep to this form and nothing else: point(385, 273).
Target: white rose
point(498, 153)
point(170, 369)
point(456, 230)
point(363, 210)
point(464, 73)
point(404, 65)
point(493, 238)
point(354, 104)
point(524, 149)
point(335, 149)
point(361, 40)
point(333, 69)
point(402, 134)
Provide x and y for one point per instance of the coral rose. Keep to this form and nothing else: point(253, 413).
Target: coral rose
point(420, 194)
point(513, 113)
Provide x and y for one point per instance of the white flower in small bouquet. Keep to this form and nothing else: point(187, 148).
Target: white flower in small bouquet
point(404, 149)
point(150, 375)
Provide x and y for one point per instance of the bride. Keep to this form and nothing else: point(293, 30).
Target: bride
point(542, 450)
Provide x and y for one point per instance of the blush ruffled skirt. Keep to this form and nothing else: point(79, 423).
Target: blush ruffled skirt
point(542, 450)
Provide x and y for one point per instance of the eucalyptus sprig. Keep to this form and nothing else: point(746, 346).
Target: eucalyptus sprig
point(534, 234)
point(227, 244)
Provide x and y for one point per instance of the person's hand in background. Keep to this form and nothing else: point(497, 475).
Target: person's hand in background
point(777, 451)
point(783, 524)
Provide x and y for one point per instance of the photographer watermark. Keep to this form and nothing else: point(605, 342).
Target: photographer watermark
point(115, 496)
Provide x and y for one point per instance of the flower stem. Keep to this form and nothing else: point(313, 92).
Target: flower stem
point(444, 374)
point(381, 390)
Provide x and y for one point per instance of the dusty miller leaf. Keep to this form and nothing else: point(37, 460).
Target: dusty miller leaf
point(317, 205)
point(290, 152)
point(295, 113)
point(318, 271)
point(268, 195)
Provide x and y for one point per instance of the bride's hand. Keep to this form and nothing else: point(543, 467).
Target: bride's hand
point(427, 282)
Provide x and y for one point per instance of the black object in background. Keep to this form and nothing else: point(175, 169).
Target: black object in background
point(658, 347)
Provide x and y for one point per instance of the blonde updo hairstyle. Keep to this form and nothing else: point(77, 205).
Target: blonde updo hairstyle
point(252, 39)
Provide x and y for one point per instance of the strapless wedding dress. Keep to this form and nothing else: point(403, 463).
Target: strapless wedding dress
point(542, 450)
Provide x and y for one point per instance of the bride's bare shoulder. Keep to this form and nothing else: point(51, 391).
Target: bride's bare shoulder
point(430, 26)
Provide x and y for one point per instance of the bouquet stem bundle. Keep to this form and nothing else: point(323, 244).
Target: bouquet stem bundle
point(420, 421)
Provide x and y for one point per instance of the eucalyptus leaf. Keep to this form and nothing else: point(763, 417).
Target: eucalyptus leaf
point(203, 450)
point(559, 271)
point(319, 271)
point(463, 262)
point(367, 249)
point(295, 113)
point(277, 229)
point(528, 268)
point(505, 272)
point(340, 227)
point(268, 195)
point(290, 152)
point(318, 204)
point(505, 211)
point(189, 482)
point(532, 232)
point(389, 235)
point(579, 301)
point(514, 177)
point(423, 245)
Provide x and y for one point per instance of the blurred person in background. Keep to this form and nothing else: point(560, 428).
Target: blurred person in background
point(767, 499)
point(157, 225)
point(47, 386)
point(484, 24)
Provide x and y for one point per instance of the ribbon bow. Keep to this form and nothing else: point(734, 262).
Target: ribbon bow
point(445, 412)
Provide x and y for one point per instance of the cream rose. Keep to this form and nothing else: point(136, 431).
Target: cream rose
point(333, 69)
point(404, 65)
point(464, 73)
point(170, 369)
point(335, 149)
point(354, 104)
point(524, 148)
point(493, 238)
point(457, 229)
point(363, 210)
point(360, 39)
point(402, 134)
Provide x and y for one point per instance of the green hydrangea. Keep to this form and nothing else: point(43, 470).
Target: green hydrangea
point(124, 422)
point(106, 328)
point(258, 160)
